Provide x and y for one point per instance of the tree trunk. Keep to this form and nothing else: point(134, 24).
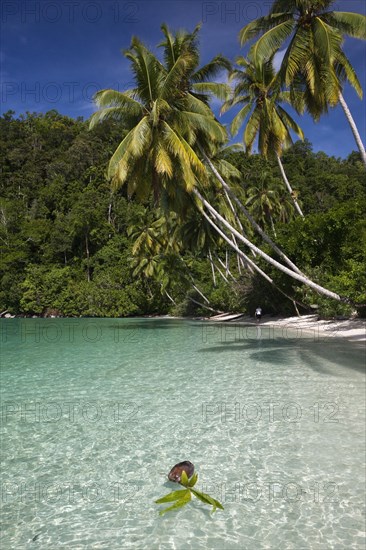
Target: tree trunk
point(289, 188)
point(352, 123)
point(250, 262)
point(169, 297)
point(240, 260)
point(200, 293)
point(254, 224)
point(110, 213)
point(203, 305)
point(223, 265)
point(272, 226)
point(305, 280)
point(212, 267)
point(87, 256)
point(222, 275)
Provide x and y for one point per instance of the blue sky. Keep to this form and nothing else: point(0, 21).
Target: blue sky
point(56, 54)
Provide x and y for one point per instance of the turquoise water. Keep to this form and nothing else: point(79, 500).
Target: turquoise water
point(96, 412)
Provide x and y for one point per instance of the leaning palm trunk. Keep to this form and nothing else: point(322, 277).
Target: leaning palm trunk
point(170, 298)
point(192, 281)
point(355, 132)
point(251, 263)
point(212, 267)
point(289, 188)
point(222, 275)
point(223, 265)
point(305, 280)
point(203, 305)
point(240, 260)
point(254, 224)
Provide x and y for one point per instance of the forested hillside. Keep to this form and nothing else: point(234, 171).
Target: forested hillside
point(69, 246)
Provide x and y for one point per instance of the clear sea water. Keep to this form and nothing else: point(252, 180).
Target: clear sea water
point(96, 412)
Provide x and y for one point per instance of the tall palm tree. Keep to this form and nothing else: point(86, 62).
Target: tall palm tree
point(258, 91)
point(314, 60)
point(163, 125)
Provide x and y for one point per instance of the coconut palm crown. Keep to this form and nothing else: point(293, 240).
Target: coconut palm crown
point(257, 90)
point(164, 121)
point(314, 60)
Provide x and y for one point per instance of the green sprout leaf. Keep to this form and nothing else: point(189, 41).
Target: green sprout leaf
point(207, 499)
point(184, 479)
point(179, 503)
point(192, 482)
point(175, 495)
point(183, 496)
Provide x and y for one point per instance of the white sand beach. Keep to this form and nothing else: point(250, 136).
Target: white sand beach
point(351, 329)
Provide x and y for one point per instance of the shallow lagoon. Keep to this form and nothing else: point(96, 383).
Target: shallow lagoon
point(96, 412)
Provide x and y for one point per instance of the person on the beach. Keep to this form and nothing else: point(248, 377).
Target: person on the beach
point(258, 314)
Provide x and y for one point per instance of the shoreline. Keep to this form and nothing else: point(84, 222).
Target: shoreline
point(353, 330)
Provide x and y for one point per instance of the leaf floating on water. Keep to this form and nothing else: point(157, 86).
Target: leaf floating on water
point(175, 495)
point(208, 500)
point(180, 503)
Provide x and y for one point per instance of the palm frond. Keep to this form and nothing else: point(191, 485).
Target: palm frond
point(289, 121)
point(239, 118)
point(326, 40)
point(262, 24)
point(212, 69)
point(296, 58)
point(345, 71)
point(168, 44)
point(172, 81)
point(216, 89)
point(271, 40)
point(236, 100)
point(179, 148)
point(163, 163)
point(132, 145)
point(352, 24)
point(251, 130)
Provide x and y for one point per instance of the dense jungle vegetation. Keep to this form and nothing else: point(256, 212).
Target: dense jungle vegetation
point(71, 247)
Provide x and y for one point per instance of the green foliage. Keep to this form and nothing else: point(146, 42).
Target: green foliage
point(66, 242)
point(331, 247)
point(182, 497)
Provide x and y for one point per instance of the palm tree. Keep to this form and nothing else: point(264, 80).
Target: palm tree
point(265, 202)
point(163, 125)
point(314, 61)
point(258, 91)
